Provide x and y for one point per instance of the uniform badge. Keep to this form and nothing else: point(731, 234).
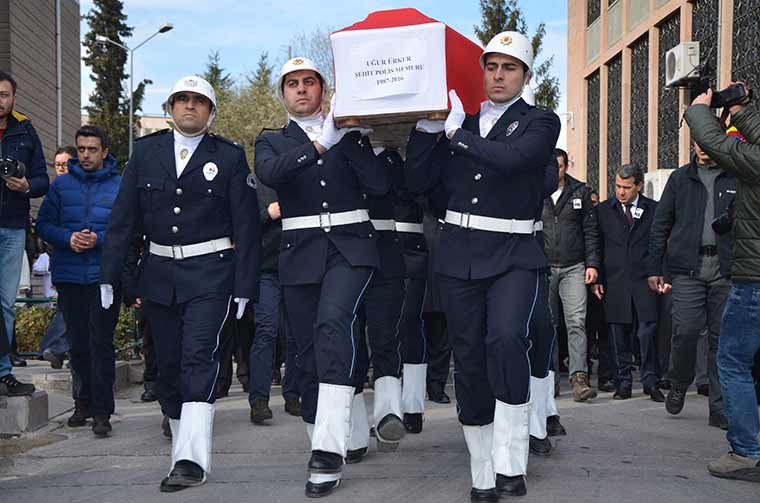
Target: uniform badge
point(511, 128)
point(210, 171)
point(250, 181)
point(577, 204)
point(183, 154)
point(637, 214)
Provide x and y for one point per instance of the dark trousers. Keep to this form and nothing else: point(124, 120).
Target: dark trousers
point(55, 338)
point(438, 349)
point(148, 348)
point(290, 380)
point(598, 337)
point(90, 328)
point(267, 316)
point(245, 328)
point(489, 322)
point(323, 318)
point(622, 355)
point(228, 344)
point(187, 343)
point(541, 331)
point(382, 307)
point(411, 326)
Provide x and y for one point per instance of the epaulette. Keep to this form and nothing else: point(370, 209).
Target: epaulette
point(155, 133)
point(272, 130)
point(226, 140)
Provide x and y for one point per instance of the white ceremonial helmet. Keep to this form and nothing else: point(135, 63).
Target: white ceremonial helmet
point(294, 65)
point(510, 43)
point(195, 84)
point(529, 96)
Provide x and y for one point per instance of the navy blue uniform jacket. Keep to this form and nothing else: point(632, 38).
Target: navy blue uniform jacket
point(311, 184)
point(499, 176)
point(188, 210)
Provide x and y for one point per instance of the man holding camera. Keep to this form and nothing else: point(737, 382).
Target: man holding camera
point(684, 243)
point(24, 176)
point(740, 336)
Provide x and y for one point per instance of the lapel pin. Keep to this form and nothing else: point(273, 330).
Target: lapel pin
point(511, 128)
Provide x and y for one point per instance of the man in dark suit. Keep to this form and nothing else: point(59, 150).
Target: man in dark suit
point(195, 197)
point(624, 224)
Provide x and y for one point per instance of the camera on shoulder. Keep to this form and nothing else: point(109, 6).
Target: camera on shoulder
point(11, 167)
point(730, 96)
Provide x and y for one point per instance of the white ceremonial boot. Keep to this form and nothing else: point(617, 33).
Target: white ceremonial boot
point(553, 427)
point(413, 396)
point(358, 438)
point(329, 438)
point(479, 441)
point(389, 428)
point(192, 441)
point(540, 444)
point(510, 447)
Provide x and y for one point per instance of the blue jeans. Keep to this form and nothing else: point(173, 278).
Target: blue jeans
point(11, 253)
point(739, 341)
point(266, 314)
point(55, 338)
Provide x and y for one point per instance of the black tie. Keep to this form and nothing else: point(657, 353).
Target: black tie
point(628, 215)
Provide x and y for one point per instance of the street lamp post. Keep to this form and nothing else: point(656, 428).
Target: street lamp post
point(105, 40)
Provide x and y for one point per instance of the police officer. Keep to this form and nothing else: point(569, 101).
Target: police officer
point(195, 197)
point(490, 263)
point(328, 254)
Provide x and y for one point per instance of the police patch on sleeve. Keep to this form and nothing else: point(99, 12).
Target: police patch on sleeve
point(251, 181)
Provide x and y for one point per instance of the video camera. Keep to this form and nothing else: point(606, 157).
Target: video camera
point(11, 167)
point(730, 96)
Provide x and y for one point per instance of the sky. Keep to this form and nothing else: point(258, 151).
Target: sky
point(242, 30)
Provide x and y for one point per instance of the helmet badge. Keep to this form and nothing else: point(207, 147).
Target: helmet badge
point(506, 40)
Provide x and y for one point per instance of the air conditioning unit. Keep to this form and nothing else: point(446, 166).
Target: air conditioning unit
point(682, 64)
point(654, 183)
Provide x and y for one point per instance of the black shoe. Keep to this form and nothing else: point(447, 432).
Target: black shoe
point(389, 433)
point(16, 387)
point(320, 490)
point(654, 393)
point(665, 384)
point(276, 377)
point(166, 427)
point(483, 495)
point(260, 411)
point(149, 395)
point(624, 393)
point(293, 407)
point(55, 359)
point(413, 422)
point(674, 402)
point(438, 396)
point(605, 385)
point(554, 428)
point(719, 421)
point(80, 415)
point(540, 447)
point(372, 432)
point(510, 486)
point(222, 392)
point(703, 389)
point(184, 474)
point(325, 462)
point(16, 360)
point(101, 425)
point(356, 455)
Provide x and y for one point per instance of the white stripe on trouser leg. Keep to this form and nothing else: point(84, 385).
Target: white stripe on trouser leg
point(551, 404)
point(510, 438)
point(413, 389)
point(538, 409)
point(359, 435)
point(218, 339)
point(333, 421)
point(387, 398)
point(194, 438)
point(479, 440)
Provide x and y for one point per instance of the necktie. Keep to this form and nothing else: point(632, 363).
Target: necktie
point(628, 215)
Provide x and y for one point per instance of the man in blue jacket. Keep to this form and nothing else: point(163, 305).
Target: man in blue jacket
point(20, 144)
point(73, 218)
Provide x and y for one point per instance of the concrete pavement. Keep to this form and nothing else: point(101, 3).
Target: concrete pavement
point(620, 452)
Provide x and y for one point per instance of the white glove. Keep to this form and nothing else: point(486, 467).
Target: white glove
point(456, 116)
point(106, 296)
point(330, 134)
point(429, 126)
point(241, 302)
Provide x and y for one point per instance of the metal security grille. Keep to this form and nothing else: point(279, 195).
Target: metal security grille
point(704, 29)
point(614, 119)
point(592, 119)
point(746, 47)
point(640, 102)
point(593, 10)
point(667, 99)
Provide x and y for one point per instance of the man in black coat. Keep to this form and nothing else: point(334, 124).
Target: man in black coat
point(624, 224)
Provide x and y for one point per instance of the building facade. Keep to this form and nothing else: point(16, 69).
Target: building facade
point(146, 124)
point(621, 109)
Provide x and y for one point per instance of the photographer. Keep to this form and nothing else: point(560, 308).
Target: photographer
point(24, 176)
point(740, 336)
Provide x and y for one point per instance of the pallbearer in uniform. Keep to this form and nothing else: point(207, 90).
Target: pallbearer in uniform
point(194, 196)
point(327, 257)
point(490, 263)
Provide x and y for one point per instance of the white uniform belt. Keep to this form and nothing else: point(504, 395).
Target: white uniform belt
point(384, 225)
point(180, 252)
point(538, 226)
point(325, 220)
point(481, 223)
point(409, 227)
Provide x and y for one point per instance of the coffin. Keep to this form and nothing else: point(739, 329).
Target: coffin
point(396, 67)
